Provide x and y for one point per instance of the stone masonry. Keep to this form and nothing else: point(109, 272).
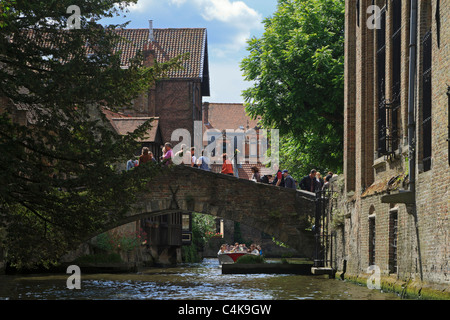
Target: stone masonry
point(283, 213)
point(408, 242)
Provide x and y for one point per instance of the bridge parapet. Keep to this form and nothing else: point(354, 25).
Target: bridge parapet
point(283, 213)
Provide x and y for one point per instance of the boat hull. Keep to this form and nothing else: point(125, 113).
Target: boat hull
point(230, 258)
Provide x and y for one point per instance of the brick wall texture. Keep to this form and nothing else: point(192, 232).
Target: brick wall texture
point(418, 247)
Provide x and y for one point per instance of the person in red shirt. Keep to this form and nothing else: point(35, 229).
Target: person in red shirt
point(227, 167)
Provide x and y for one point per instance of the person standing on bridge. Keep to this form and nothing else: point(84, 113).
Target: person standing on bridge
point(203, 162)
point(227, 166)
point(167, 158)
point(132, 163)
point(193, 158)
point(289, 182)
point(146, 156)
point(256, 175)
point(279, 179)
point(310, 183)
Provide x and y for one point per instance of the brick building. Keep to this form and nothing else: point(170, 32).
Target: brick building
point(395, 193)
point(174, 102)
point(177, 98)
point(232, 116)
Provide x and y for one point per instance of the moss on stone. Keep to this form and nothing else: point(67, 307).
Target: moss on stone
point(412, 289)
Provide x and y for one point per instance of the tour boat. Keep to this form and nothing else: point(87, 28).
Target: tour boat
point(230, 257)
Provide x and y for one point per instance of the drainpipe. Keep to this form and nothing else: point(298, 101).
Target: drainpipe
point(411, 97)
point(412, 124)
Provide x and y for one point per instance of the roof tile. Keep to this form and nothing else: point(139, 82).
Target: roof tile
point(168, 44)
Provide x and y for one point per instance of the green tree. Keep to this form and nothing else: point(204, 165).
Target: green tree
point(297, 71)
point(59, 181)
point(202, 224)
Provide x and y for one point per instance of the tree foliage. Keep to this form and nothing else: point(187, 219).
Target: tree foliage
point(297, 71)
point(59, 175)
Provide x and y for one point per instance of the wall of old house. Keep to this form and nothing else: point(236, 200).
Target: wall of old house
point(423, 242)
point(178, 105)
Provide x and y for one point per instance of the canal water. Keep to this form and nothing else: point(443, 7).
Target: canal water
point(195, 281)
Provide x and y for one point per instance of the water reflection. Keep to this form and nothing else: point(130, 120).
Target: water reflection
point(203, 281)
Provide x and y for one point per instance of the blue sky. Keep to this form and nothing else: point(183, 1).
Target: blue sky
point(229, 24)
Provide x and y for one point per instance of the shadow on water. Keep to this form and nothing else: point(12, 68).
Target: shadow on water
point(193, 281)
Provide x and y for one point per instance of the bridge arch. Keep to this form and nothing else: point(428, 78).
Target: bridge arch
point(280, 212)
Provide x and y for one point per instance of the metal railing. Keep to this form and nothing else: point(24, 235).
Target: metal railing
point(324, 256)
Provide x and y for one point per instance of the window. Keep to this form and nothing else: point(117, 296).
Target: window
point(358, 12)
point(393, 237)
point(388, 110)
point(371, 241)
point(186, 223)
point(211, 142)
point(426, 101)
point(381, 81)
point(186, 228)
point(394, 106)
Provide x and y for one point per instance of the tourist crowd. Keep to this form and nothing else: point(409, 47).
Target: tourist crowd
point(312, 182)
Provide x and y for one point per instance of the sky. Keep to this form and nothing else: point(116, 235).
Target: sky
point(229, 24)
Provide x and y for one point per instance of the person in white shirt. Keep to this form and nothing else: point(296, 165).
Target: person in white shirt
point(253, 249)
point(222, 249)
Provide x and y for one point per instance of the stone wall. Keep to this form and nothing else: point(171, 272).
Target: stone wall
point(422, 235)
point(283, 213)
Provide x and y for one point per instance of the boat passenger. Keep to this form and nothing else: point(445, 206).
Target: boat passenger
point(258, 247)
point(253, 249)
point(222, 249)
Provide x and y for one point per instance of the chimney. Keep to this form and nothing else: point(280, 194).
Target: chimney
point(149, 52)
point(150, 31)
point(205, 112)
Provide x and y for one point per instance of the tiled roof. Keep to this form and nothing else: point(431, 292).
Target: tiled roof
point(168, 43)
point(223, 116)
point(124, 124)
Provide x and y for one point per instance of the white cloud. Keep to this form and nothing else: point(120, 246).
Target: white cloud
point(177, 2)
point(237, 17)
point(240, 18)
point(141, 5)
point(228, 11)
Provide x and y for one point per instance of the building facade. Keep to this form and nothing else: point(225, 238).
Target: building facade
point(176, 99)
point(174, 102)
point(395, 192)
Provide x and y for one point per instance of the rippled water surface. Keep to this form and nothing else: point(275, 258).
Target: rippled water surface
point(202, 281)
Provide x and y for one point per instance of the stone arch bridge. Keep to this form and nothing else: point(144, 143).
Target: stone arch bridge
point(283, 213)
